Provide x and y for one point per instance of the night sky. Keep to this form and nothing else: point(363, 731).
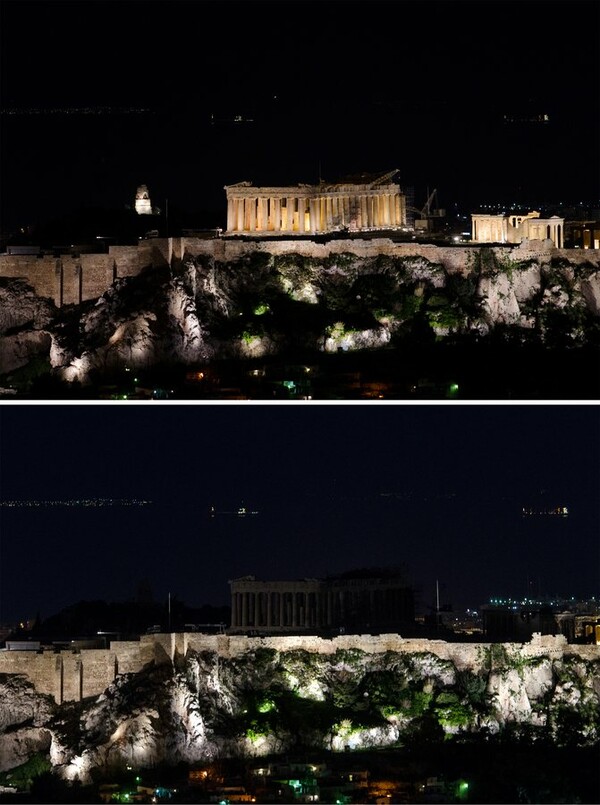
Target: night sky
point(438, 488)
point(333, 89)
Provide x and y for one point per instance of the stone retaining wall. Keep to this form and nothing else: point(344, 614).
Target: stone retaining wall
point(74, 675)
point(71, 279)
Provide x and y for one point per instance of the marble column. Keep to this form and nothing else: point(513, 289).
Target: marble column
point(285, 215)
point(328, 213)
point(277, 214)
point(313, 206)
point(261, 215)
point(244, 622)
point(301, 214)
point(364, 218)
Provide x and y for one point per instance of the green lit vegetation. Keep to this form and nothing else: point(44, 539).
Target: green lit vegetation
point(443, 313)
point(22, 777)
point(265, 706)
point(451, 712)
point(409, 306)
point(304, 699)
point(472, 687)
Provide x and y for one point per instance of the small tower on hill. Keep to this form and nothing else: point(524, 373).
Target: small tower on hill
point(142, 201)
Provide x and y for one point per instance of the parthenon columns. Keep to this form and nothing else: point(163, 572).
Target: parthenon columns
point(284, 609)
point(313, 209)
point(290, 214)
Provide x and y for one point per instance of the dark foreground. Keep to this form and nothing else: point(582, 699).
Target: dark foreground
point(493, 771)
point(471, 371)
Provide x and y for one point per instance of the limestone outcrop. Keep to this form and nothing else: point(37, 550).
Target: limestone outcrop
point(25, 320)
point(235, 301)
point(201, 706)
point(23, 714)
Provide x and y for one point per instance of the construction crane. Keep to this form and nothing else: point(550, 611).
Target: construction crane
point(426, 212)
point(425, 222)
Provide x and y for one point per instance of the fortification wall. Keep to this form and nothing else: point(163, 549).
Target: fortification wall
point(464, 655)
point(43, 670)
point(131, 655)
point(472, 656)
point(41, 273)
point(72, 676)
point(99, 669)
point(72, 280)
point(453, 258)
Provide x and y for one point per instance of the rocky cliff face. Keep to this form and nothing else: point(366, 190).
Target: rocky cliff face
point(263, 304)
point(264, 701)
point(23, 716)
point(25, 324)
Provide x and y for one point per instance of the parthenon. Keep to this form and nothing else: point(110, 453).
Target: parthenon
point(352, 602)
point(360, 203)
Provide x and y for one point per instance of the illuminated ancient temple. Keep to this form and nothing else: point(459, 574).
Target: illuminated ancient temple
point(515, 228)
point(362, 203)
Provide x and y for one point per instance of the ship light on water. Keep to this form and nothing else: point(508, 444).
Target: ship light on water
point(557, 511)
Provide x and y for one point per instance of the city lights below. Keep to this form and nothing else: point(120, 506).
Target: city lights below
point(555, 601)
point(79, 502)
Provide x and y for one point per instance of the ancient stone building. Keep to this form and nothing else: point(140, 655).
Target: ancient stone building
point(354, 602)
point(357, 204)
point(515, 228)
point(142, 201)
